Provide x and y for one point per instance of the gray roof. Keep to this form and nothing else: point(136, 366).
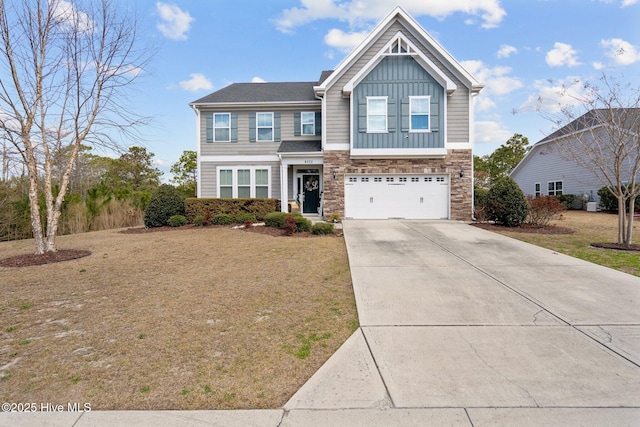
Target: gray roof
point(300, 147)
point(264, 92)
point(598, 116)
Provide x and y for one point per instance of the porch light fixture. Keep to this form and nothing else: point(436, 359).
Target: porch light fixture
point(334, 175)
point(461, 173)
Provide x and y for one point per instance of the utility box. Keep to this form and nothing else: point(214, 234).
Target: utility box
point(592, 206)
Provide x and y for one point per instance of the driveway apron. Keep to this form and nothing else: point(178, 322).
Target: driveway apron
point(483, 330)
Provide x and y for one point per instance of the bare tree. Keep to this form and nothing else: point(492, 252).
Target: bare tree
point(606, 141)
point(66, 69)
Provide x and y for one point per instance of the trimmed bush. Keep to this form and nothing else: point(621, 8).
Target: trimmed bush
point(506, 203)
point(198, 221)
point(542, 210)
point(165, 202)
point(570, 201)
point(177, 221)
point(609, 202)
point(302, 223)
point(275, 219)
point(480, 203)
point(322, 228)
point(243, 217)
point(290, 225)
point(258, 207)
point(223, 219)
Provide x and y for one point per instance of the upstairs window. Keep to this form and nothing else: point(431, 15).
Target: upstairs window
point(308, 123)
point(377, 114)
point(222, 127)
point(264, 126)
point(419, 108)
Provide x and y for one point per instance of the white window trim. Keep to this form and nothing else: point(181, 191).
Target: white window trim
point(313, 123)
point(537, 193)
point(555, 187)
point(220, 127)
point(252, 179)
point(411, 98)
point(386, 114)
point(272, 127)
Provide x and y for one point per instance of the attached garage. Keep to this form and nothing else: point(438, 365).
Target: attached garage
point(417, 196)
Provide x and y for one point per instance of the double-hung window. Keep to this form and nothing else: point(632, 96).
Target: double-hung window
point(244, 183)
point(538, 189)
point(226, 183)
point(555, 188)
point(222, 127)
point(308, 123)
point(376, 114)
point(419, 107)
point(264, 126)
point(262, 183)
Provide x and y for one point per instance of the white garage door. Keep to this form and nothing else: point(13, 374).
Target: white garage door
point(396, 196)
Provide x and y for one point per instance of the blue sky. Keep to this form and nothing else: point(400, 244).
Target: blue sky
point(523, 51)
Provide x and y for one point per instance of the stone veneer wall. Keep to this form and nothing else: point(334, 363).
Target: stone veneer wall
point(455, 161)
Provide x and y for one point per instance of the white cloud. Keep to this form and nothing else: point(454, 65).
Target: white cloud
point(553, 96)
point(196, 83)
point(597, 65)
point(342, 41)
point(625, 3)
point(490, 132)
point(175, 22)
point(562, 54)
point(65, 12)
point(359, 12)
point(496, 82)
point(257, 79)
point(506, 51)
point(621, 51)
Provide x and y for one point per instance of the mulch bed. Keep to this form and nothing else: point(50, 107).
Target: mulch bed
point(550, 229)
point(46, 258)
point(618, 246)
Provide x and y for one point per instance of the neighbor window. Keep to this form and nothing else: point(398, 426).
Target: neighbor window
point(264, 126)
point(308, 123)
point(226, 184)
point(538, 188)
point(555, 188)
point(419, 107)
point(222, 127)
point(377, 114)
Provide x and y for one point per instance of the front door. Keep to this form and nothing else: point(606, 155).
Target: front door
point(311, 193)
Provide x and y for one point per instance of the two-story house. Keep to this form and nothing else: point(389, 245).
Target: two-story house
point(387, 134)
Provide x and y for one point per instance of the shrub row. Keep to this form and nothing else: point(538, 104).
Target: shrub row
point(609, 202)
point(279, 220)
point(259, 208)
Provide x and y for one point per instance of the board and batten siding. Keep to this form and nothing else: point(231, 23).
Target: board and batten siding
point(338, 107)
point(209, 176)
point(243, 146)
point(398, 78)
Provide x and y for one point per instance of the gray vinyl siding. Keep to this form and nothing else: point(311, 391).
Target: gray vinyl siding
point(208, 171)
point(398, 78)
point(338, 108)
point(243, 146)
point(545, 164)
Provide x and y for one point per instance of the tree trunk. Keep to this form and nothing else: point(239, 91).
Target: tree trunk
point(621, 220)
point(629, 234)
point(36, 225)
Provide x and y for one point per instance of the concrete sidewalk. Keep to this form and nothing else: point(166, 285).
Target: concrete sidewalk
point(459, 326)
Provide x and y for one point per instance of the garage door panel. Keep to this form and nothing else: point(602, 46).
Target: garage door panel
point(397, 196)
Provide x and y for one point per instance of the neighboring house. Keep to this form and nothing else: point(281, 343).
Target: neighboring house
point(552, 169)
point(387, 134)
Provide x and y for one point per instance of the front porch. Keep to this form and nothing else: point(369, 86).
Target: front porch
point(302, 186)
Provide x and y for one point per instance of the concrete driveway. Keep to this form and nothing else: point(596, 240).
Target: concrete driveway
point(461, 326)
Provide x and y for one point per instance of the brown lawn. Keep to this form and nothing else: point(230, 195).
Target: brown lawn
point(200, 318)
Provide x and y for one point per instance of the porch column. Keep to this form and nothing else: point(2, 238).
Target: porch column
point(284, 187)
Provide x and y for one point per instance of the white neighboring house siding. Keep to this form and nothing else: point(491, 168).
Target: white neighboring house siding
point(544, 164)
